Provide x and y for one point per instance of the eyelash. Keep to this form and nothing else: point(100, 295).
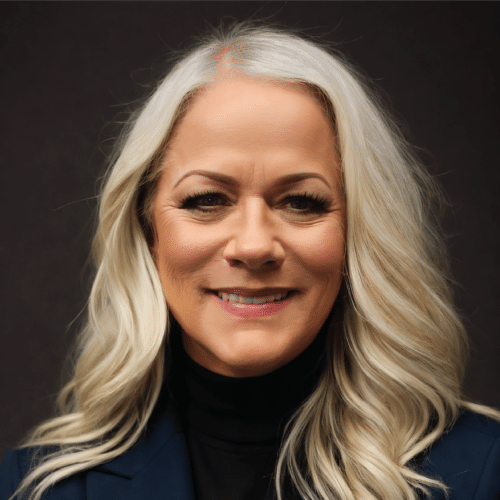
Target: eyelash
point(319, 203)
point(191, 202)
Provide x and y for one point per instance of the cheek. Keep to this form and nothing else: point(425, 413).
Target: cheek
point(182, 249)
point(322, 251)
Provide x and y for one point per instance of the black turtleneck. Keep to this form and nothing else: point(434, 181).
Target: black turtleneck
point(234, 426)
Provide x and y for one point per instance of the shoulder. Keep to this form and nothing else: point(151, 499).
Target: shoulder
point(467, 458)
point(13, 468)
point(16, 464)
point(10, 474)
point(471, 422)
point(156, 463)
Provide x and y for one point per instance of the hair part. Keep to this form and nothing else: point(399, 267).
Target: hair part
point(396, 361)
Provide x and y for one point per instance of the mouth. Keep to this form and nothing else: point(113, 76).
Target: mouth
point(238, 299)
point(253, 296)
point(253, 304)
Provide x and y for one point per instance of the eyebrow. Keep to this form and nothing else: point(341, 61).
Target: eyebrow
point(222, 178)
point(230, 181)
point(293, 178)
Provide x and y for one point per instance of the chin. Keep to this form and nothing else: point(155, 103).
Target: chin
point(251, 361)
point(250, 368)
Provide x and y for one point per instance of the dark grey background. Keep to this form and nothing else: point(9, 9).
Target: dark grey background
point(67, 69)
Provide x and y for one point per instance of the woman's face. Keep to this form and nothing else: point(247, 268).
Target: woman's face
point(250, 221)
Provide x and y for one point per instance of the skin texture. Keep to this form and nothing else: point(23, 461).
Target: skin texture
point(254, 231)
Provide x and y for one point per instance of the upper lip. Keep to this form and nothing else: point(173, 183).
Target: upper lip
point(253, 292)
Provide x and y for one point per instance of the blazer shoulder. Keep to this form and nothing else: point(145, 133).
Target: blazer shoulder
point(13, 468)
point(16, 465)
point(155, 465)
point(9, 474)
point(467, 458)
point(471, 422)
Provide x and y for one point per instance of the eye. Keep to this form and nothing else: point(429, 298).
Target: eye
point(306, 203)
point(204, 202)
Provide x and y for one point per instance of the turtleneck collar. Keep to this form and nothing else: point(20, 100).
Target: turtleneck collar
point(243, 410)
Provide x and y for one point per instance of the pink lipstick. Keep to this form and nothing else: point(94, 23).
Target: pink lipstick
point(249, 310)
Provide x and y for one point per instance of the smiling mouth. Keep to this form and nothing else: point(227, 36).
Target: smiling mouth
point(238, 299)
point(253, 296)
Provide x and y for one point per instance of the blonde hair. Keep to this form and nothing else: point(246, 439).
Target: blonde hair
point(392, 384)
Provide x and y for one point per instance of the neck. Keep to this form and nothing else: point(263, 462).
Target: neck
point(245, 409)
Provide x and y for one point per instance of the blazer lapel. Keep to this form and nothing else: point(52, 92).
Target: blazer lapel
point(157, 467)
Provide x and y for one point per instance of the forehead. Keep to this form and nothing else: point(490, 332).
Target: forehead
point(246, 102)
point(252, 123)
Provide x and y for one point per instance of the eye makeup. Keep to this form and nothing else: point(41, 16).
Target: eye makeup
point(211, 200)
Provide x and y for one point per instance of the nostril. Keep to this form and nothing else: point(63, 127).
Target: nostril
point(253, 253)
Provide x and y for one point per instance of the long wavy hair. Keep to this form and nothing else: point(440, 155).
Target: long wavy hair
point(392, 383)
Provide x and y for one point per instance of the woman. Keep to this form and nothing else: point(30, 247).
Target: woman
point(270, 315)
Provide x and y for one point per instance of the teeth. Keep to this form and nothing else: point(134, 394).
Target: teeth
point(250, 300)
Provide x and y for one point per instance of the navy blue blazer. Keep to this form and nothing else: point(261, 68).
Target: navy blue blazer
point(467, 459)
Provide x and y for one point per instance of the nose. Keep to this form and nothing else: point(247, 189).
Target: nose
point(254, 243)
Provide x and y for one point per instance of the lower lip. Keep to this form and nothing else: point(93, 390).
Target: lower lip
point(252, 310)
